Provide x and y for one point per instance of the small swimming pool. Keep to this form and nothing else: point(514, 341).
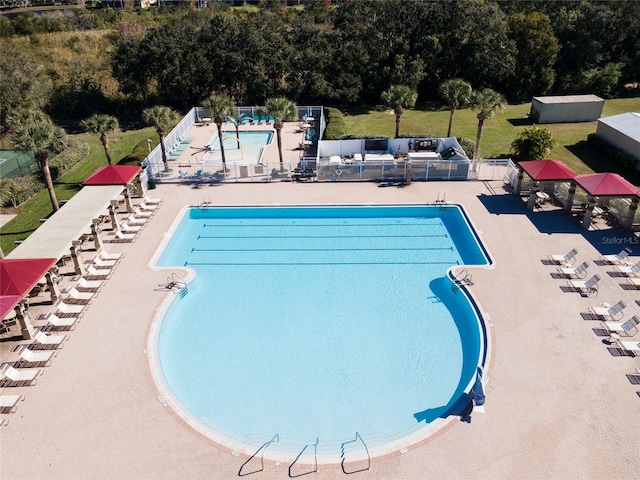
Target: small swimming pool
point(314, 324)
point(247, 150)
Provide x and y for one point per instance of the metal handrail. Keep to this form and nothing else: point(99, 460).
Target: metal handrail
point(343, 458)
point(315, 459)
point(263, 447)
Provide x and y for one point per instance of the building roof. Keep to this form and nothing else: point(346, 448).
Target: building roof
point(547, 170)
point(606, 185)
point(569, 99)
point(626, 123)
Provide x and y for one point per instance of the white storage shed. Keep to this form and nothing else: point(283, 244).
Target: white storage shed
point(623, 132)
point(566, 108)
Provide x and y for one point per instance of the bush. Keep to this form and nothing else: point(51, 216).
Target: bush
point(467, 145)
point(76, 151)
point(335, 124)
point(613, 152)
point(14, 191)
point(138, 154)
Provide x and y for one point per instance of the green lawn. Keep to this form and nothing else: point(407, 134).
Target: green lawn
point(123, 144)
point(500, 131)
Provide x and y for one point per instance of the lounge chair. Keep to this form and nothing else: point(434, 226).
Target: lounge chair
point(608, 311)
point(104, 255)
point(629, 346)
point(56, 323)
point(126, 228)
point(18, 378)
point(138, 213)
point(94, 273)
point(91, 285)
point(66, 309)
point(633, 281)
point(34, 358)
point(136, 221)
point(9, 403)
point(124, 237)
point(566, 259)
point(151, 201)
point(146, 206)
point(588, 286)
point(183, 175)
point(3, 422)
point(619, 258)
point(48, 342)
point(623, 328)
point(101, 263)
point(629, 270)
point(79, 297)
point(579, 272)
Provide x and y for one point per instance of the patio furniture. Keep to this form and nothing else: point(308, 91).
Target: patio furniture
point(126, 228)
point(17, 378)
point(588, 286)
point(102, 263)
point(48, 342)
point(606, 310)
point(619, 258)
point(136, 221)
point(138, 213)
point(66, 309)
point(631, 347)
point(147, 206)
point(124, 237)
point(94, 273)
point(566, 259)
point(55, 323)
point(104, 255)
point(152, 201)
point(623, 328)
point(579, 272)
point(628, 270)
point(633, 281)
point(31, 358)
point(9, 403)
point(76, 296)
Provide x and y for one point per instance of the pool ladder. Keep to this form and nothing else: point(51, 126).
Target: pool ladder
point(441, 200)
point(177, 283)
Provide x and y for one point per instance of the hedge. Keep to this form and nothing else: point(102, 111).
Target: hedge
point(612, 151)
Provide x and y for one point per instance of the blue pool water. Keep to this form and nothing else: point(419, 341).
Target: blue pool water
point(319, 322)
point(251, 144)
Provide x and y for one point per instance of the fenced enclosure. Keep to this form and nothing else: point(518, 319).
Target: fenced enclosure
point(16, 163)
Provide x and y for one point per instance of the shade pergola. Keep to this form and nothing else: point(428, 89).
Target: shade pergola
point(547, 170)
point(608, 185)
point(17, 277)
point(113, 175)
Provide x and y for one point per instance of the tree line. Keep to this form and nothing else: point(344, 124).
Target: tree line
point(347, 54)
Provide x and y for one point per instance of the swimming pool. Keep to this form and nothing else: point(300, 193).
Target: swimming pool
point(317, 323)
point(249, 149)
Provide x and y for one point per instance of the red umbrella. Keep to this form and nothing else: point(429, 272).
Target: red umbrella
point(17, 277)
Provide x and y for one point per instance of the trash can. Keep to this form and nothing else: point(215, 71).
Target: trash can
point(151, 185)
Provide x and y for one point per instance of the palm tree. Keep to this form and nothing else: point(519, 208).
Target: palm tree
point(455, 92)
point(41, 137)
point(218, 107)
point(25, 115)
point(488, 102)
point(399, 97)
point(281, 109)
point(161, 118)
point(102, 124)
point(237, 121)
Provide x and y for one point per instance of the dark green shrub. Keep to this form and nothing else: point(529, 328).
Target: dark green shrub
point(76, 151)
point(623, 158)
point(335, 124)
point(14, 191)
point(467, 145)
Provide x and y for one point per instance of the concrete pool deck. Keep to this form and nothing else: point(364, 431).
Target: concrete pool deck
point(559, 404)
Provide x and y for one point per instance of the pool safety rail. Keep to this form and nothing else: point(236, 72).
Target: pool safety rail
point(255, 463)
point(177, 285)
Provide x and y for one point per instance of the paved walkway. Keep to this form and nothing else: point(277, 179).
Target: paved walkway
point(559, 404)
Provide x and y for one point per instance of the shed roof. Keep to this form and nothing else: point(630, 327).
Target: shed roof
point(569, 99)
point(626, 123)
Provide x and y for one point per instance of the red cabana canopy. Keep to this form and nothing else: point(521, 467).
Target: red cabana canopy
point(17, 277)
point(113, 175)
point(606, 185)
point(547, 170)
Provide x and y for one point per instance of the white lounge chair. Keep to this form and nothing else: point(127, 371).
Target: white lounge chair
point(137, 221)
point(126, 228)
point(84, 284)
point(104, 255)
point(629, 346)
point(579, 272)
point(146, 206)
point(9, 403)
point(79, 297)
point(633, 281)
point(94, 273)
point(139, 213)
point(48, 342)
point(629, 270)
point(56, 323)
point(151, 201)
point(623, 328)
point(31, 358)
point(608, 311)
point(588, 286)
point(17, 378)
point(102, 263)
point(566, 259)
point(66, 309)
point(124, 237)
point(619, 258)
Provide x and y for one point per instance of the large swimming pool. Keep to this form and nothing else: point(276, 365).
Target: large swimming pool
point(247, 150)
point(312, 324)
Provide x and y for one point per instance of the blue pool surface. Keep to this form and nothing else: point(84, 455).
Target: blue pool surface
point(319, 322)
point(251, 143)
